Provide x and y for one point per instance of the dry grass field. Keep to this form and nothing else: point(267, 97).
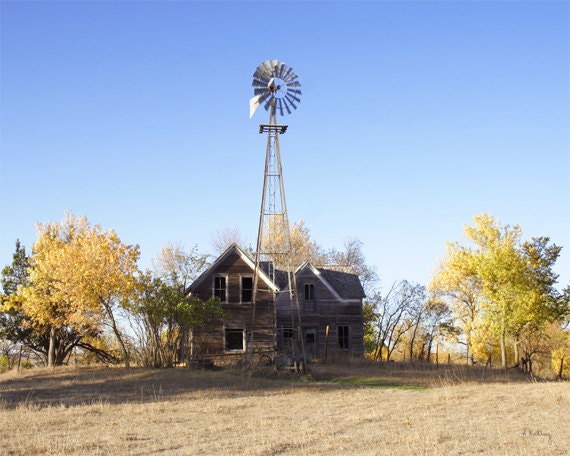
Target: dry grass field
point(353, 410)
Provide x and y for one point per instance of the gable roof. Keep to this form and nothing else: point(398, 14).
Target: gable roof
point(343, 285)
point(232, 249)
point(346, 284)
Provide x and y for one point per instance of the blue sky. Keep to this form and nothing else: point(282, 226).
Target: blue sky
point(415, 116)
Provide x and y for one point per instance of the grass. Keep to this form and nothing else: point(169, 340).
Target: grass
point(360, 409)
point(373, 382)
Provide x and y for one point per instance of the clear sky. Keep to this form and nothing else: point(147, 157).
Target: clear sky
point(415, 116)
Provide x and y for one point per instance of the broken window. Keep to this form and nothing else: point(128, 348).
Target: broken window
point(343, 337)
point(246, 289)
point(220, 288)
point(309, 292)
point(234, 339)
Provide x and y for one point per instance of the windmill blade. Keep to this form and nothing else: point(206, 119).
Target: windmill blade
point(265, 98)
point(280, 68)
point(260, 82)
point(268, 68)
point(291, 78)
point(291, 101)
point(261, 77)
point(281, 103)
point(293, 97)
point(295, 91)
point(273, 64)
point(286, 105)
point(263, 68)
point(286, 72)
point(259, 91)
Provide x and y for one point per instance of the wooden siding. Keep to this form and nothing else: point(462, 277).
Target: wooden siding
point(325, 310)
point(276, 317)
point(237, 314)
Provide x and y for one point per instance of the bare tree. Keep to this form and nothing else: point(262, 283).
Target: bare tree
point(226, 237)
point(352, 257)
point(393, 322)
point(416, 310)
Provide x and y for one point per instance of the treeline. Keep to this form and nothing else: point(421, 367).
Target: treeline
point(493, 301)
point(81, 290)
point(496, 298)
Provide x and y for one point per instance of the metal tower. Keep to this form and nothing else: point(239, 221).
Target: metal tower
point(278, 88)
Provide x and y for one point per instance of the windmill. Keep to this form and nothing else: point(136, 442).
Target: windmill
point(276, 88)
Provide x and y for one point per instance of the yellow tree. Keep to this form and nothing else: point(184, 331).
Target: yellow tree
point(500, 269)
point(47, 299)
point(511, 284)
point(457, 285)
point(106, 278)
point(80, 276)
point(303, 248)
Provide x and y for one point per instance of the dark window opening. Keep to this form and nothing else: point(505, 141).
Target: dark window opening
point(288, 333)
point(343, 337)
point(310, 338)
point(246, 289)
point(220, 288)
point(309, 292)
point(234, 339)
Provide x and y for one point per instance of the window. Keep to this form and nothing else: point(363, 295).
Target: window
point(246, 289)
point(343, 337)
point(220, 288)
point(311, 342)
point(309, 303)
point(310, 337)
point(309, 292)
point(234, 339)
point(288, 333)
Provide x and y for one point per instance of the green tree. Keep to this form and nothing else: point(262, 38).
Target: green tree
point(168, 322)
point(16, 274)
point(13, 276)
point(12, 327)
point(164, 318)
point(505, 287)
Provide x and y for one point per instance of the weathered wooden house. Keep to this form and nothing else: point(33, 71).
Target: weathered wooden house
point(330, 304)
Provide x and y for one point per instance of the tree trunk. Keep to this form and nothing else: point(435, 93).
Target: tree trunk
point(429, 347)
point(502, 340)
point(529, 364)
point(516, 350)
point(412, 342)
point(117, 334)
point(503, 351)
point(437, 353)
point(51, 348)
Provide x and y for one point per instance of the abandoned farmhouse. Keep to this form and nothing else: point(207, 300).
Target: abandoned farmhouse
point(330, 308)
